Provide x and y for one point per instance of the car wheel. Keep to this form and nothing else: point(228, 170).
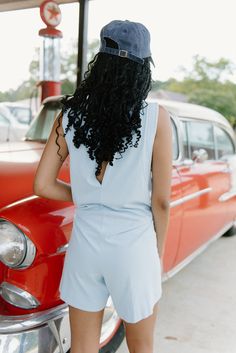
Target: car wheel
point(115, 342)
point(230, 232)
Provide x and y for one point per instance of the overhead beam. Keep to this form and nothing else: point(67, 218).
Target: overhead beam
point(9, 5)
point(82, 40)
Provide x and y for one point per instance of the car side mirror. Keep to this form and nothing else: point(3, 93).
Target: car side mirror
point(200, 155)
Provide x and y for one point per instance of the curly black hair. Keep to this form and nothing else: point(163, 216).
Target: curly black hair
point(105, 109)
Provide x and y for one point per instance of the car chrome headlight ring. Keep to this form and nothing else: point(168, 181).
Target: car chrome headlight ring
point(16, 249)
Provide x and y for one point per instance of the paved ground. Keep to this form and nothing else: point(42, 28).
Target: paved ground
point(197, 311)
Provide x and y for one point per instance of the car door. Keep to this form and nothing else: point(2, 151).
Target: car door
point(4, 128)
point(203, 182)
point(226, 152)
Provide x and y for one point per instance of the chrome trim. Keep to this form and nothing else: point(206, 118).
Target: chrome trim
point(62, 248)
point(29, 249)
point(177, 124)
point(19, 202)
point(8, 287)
point(186, 198)
point(188, 162)
point(200, 155)
point(197, 252)
point(227, 195)
point(52, 326)
point(48, 330)
point(19, 323)
point(215, 143)
point(227, 170)
point(30, 254)
point(188, 136)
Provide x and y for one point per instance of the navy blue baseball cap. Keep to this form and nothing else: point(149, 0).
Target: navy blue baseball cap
point(132, 39)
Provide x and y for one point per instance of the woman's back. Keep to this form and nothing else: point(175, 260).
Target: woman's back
point(125, 191)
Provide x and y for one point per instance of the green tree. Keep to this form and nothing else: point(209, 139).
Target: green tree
point(208, 84)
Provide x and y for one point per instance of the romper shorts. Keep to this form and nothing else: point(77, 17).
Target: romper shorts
point(125, 266)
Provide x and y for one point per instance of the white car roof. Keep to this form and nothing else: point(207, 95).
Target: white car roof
point(181, 109)
point(190, 110)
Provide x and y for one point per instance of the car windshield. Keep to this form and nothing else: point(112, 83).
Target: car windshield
point(22, 114)
point(41, 126)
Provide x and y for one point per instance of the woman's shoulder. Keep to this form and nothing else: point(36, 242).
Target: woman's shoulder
point(163, 114)
point(164, 120)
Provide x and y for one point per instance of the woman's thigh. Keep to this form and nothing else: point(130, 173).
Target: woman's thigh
point(140, 335)
point(85, 330)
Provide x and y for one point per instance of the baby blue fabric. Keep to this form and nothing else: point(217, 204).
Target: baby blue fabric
point(113, 246)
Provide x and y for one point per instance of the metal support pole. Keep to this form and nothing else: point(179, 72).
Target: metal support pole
point(82, 40)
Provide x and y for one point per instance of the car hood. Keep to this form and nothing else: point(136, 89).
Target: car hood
point(18, 163)
point(17, 146)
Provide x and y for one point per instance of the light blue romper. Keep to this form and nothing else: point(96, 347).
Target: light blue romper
point(113, 247)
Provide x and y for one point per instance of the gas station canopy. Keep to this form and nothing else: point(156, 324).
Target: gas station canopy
point(9, 5)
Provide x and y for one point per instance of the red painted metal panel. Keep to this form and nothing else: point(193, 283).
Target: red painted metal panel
point(204, 215)
point(176, 214)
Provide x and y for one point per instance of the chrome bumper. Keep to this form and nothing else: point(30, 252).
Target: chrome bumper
point(45, 331)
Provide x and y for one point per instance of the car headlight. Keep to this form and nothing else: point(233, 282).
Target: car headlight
point(16, 249)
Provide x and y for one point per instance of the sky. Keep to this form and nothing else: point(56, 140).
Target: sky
point(179, 30)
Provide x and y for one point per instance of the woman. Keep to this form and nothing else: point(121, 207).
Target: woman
point(116, 143)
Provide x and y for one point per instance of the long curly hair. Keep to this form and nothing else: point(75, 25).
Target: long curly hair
point(105, 109)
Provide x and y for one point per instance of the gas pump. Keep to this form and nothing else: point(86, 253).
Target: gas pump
point(49, 65)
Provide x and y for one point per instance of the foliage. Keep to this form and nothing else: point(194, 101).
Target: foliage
point(208, 84)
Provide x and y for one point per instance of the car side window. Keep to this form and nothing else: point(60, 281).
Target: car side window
point(22, 114)
point(200, 135)
point(3, 120)
point(224, 144)
point(186, 153)
point(175, 146)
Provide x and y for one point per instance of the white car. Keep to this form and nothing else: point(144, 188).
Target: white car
point(21, 111)
point(10, 128)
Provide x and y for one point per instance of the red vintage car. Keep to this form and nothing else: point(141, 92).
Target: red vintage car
point(34, 232)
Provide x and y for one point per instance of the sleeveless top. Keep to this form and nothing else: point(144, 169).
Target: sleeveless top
point(122, 202)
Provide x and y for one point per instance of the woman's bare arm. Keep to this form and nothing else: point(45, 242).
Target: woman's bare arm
point(161, 177)
point(46, 183)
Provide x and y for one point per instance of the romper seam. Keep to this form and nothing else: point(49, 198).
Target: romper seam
point(150, 136)
point(154, 125)
point(145, 141)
